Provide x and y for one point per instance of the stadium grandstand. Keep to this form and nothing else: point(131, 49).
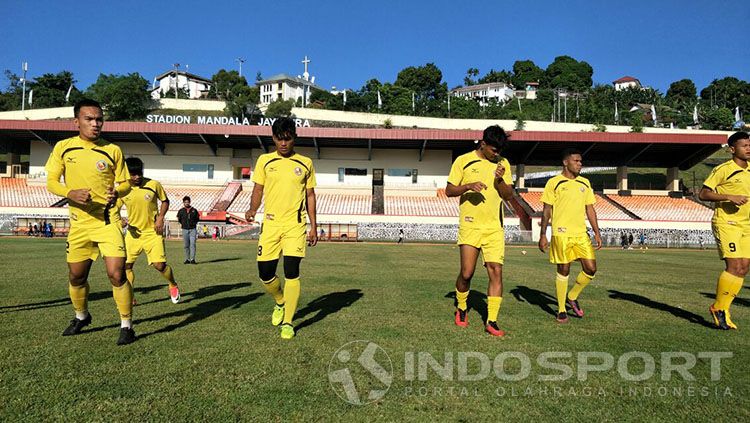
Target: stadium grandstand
point(380, 179)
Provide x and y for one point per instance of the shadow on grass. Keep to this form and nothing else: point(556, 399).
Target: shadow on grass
point(737, 301)
point(326, 305)
point(647, 302)
point(535, 297)
point(197, 312)
point(219, 260)
point(477, 301)
point(93, 296)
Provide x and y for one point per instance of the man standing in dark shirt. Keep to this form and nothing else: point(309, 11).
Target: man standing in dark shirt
point(188, 218)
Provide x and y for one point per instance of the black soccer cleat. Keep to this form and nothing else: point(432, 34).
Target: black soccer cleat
point(562, 317)
point(127, 336)
point(720, 318)
point(76, 325)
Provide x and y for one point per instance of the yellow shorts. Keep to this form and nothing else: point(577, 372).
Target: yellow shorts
point(150, 242)
point(491, 242)
point(567, 249)
point(731, 240)
point(86, 243)
point(277, 240)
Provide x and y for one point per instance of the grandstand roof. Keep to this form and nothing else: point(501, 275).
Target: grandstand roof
point(529, 147)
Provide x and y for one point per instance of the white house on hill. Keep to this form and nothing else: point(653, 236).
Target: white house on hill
point(499, 91)
point(196, 86)
point(285, 87)
point(626, 82)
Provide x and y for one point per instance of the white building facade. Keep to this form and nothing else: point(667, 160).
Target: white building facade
point(196, 86)
point(626, 82)
point(498, 91)
point(285, 87)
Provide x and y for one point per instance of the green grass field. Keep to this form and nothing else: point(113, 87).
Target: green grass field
point(216, 356)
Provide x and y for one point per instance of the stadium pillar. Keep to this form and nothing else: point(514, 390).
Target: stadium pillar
point(622, 178)
point(520, 176)
point(673, 179)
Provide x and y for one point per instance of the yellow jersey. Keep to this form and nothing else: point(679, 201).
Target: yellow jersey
point(285, 183)
point(479, 210)
point(142, 205)
point(86, 164)
point(730, 178)
point(568, 198)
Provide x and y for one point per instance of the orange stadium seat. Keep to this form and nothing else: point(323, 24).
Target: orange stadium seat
point(651, 207)
point(15, 192)
point(202, 198)
point(421, 206)
point(604, 209)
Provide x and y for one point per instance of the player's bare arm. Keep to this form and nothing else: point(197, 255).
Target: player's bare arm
point(255, 199)
point(159, 223)
point(546, 216)
point(312, 236)
point(504, 190)
point(455, 191)
point(707, 194)
point(591, 216)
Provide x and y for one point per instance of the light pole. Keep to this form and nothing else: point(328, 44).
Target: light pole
point(25, 67)
point(240, 61)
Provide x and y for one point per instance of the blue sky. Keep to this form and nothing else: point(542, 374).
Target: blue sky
point(350, 42)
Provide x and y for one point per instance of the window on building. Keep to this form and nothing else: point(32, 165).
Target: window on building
point(355, 172)
point(399, 172)
point(194, 167)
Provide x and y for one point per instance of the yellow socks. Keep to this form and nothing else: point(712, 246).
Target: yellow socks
point(79, 296)
point(168, 275)
point(291, 298)
point(727, 288)
point(123, 296)
point(493, 308)
point(130, 276)
point(561, 288)
point(582, 280)
point(461, 298)
point(273, 287)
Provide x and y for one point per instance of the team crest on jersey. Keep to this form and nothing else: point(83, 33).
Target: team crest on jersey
point(101, 165)
point(297, 171)
point(73, 216)
point(147, 196)
point(583, 189)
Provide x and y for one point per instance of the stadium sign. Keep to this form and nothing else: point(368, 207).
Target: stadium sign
point(217, 120)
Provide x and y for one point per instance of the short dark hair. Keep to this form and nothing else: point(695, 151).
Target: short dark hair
point(85, 102)
point(495, 136)
point(135, 165)
point(739, 135)
point(569, 152)
point(186, 198)
point(284, 128)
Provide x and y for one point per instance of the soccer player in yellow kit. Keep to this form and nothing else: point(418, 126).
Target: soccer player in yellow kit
point(287, 181)
point(146, 225)
point(482, 179)
point(91, 167)
point(567, 198)
point(728, 186)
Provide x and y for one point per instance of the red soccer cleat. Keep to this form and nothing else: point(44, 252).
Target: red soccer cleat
point(461, 318)
point(493, 329)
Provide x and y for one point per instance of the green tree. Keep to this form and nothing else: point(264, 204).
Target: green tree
point(470, 78)
point(568, 73)
point(224, 82)
point(280, 108)
point(496, 76)
point(124, 97)
point(526, 71)
point(11, 98)
point(50, 89)
point(182, 93)
point(464, 108)
point(728, 92)
point(682, 94)
point(243, 99)
point(717, 118)
point(427, 84)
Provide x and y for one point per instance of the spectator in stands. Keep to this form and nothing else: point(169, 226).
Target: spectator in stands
point(727, 187)
point(623, 240)
point(31, 230)
point(216, 233)
point(51, 231)
point(400, 236)
point(630, 241)
point(642, 241)
point(322, 234)
point(36, 229)
point(188, 217)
